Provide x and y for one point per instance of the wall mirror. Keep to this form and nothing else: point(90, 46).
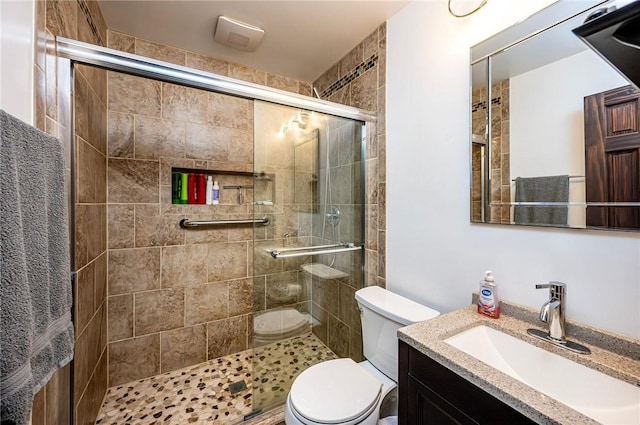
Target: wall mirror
point(554, 138)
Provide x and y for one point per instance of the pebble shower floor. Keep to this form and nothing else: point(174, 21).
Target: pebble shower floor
point(201, 395)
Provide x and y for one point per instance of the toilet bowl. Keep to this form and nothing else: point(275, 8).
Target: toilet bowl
point(344, 392)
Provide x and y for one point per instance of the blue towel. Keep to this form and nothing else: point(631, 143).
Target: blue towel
point(36, 332)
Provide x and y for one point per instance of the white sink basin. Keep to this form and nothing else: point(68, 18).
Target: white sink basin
point(592, 393)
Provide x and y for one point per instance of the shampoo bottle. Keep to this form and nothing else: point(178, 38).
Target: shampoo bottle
point(209, 190)
point(488, 301)
point(215, 193)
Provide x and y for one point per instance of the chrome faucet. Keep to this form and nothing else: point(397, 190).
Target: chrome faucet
point(552, 312)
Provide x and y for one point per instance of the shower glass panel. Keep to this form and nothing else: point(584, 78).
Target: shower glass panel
point(309, 182)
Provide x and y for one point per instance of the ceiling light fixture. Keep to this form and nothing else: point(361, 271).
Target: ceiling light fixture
point(471, 12)
point(237, 34)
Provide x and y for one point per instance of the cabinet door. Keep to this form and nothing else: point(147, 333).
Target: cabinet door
point(425, 407)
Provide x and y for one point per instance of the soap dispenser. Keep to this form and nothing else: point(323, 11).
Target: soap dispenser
point(488, 301)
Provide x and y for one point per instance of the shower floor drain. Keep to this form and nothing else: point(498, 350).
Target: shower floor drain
point(237, 387)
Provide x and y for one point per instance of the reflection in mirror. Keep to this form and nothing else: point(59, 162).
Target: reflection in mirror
point(305, 160)
point(532, 110)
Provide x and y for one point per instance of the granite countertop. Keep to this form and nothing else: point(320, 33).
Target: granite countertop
point(612, 354)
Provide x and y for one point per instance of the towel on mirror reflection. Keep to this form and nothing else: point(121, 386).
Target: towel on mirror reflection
point(542, 189)
point(36, 332)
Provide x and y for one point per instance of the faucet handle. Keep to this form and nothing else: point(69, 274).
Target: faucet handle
point(556, 289)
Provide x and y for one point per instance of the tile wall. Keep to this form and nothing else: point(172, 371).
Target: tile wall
point(179, 297)
point(500, 174)
point(358, 79)
point(81, 20)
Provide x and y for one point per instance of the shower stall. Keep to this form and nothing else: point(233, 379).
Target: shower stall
point(213, 310)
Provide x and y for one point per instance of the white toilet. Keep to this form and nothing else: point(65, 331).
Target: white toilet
point(344, 392)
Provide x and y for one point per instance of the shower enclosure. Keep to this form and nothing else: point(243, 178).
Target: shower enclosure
point(221, 305)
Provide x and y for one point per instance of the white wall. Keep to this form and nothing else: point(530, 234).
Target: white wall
point(434, 254)
point(557, 147)
point(16, 58)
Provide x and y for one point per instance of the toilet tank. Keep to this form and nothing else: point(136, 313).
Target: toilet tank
point(382, 313)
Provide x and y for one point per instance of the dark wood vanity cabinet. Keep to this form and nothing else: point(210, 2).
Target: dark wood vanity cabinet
point(429, 393)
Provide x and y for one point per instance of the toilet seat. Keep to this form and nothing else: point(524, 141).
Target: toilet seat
point(335, 391)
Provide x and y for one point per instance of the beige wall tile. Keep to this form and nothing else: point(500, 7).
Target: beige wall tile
point(155, 137)
point(90, 115)
point(62, 18)
point(100, 291)
point(91, 174)
point(348, 311)
point(240, 296)
point(205, 303)
point(134, 94)
point(184, 265)
point(229, 111)
point(208, 142)
point(226, 336)
point(89, 346)
point(133, 270)
point(121, 225)
point(122, 42)
point(84, 297)
point(160, 52)
point(258, 293)
point(282, 83)
point(90, 232)
point(338, 337)
point(133, 181)
point(157, 311)
point(184, 103)
point(320, 329)
point(227, 261)
point(91, 401)
point(247, 74)
point(133, 359)
point(364, 90)
point(282, 289)
point(208, 64)
point(355, 345)
point(305, 89)
point(57, 394)
point(154, 229)
point(351, 60)
point(183, 347)
point(120, 142)
point(120, 317)
point(326, 293)
point(370, 44)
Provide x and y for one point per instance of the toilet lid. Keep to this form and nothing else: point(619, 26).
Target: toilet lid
point(334, 391)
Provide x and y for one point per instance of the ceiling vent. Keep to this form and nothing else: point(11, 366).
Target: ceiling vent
point(239, 35)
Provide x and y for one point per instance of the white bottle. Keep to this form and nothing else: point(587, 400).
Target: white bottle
point(209, 190)
point(488, 301)
point(215, 193)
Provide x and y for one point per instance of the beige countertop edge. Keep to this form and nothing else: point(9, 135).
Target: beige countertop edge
point(428, 337)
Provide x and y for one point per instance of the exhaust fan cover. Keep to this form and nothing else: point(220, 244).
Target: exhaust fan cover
point(239, 35)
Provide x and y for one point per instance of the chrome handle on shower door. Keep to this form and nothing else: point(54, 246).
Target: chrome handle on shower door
point(314, 250)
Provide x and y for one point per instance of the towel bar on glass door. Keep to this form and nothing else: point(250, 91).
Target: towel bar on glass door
point(185, 223)
point(314, 250)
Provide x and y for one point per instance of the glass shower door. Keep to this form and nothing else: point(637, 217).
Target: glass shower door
point(308, 261)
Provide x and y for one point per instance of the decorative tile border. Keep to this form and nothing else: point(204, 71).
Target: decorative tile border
point(355, 73)
point(87, 14)
point(475, 107)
